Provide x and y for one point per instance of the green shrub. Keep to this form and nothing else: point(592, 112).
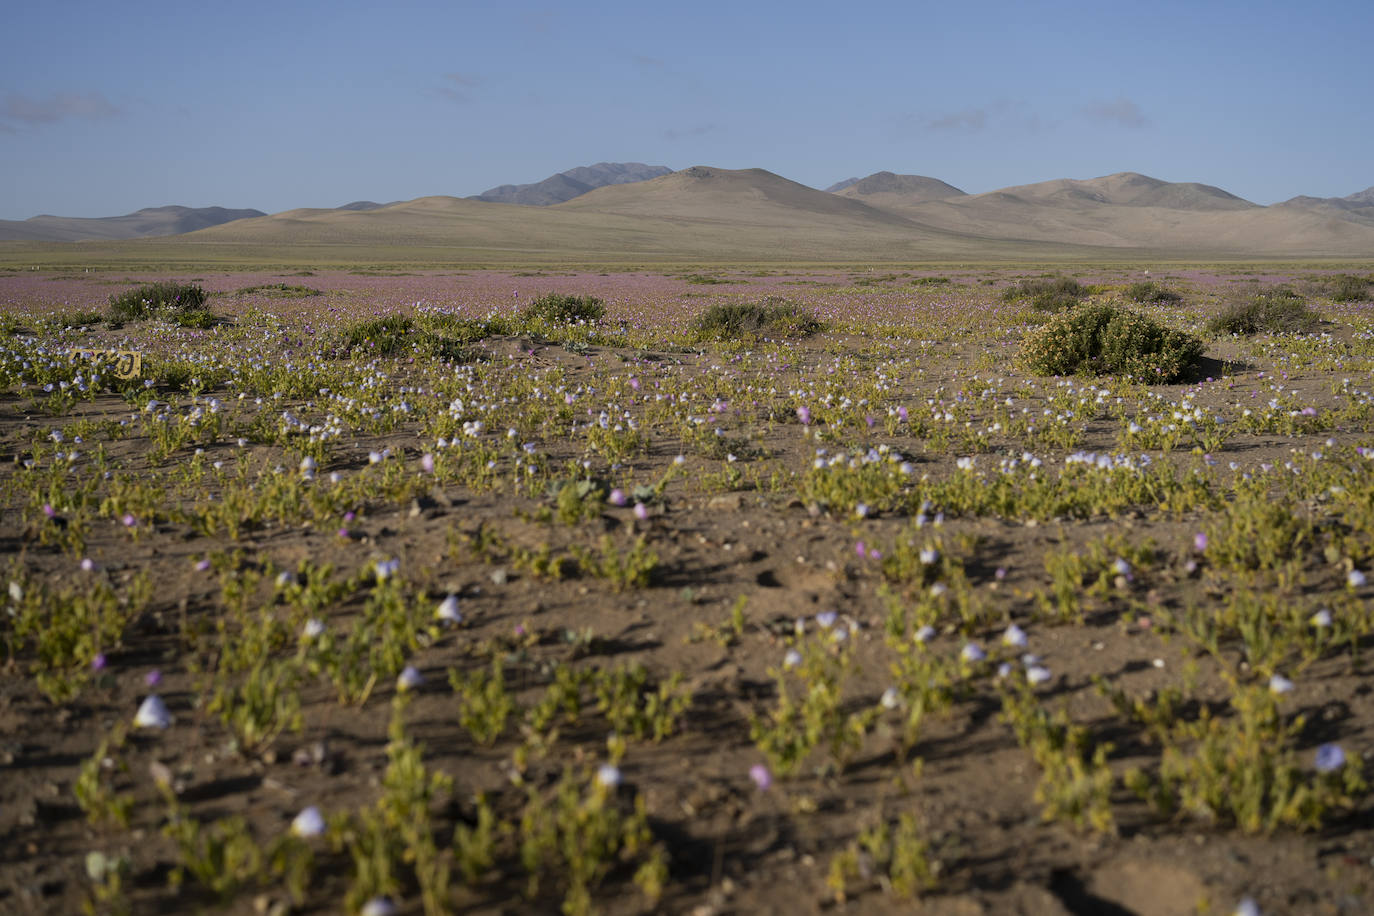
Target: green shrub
point(195, 318)
point(1150, 291)
point(443, 337)
point(1274, 311)
point(458, 328)
point(560, 308)
point(166, 297)
point(1053, 295)
point(78, 319)
point(773, 317)
point(377, 336)
point(1105, 339)
point(1348, 288)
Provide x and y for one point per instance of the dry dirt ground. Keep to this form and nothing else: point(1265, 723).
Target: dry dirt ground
point(730, 845)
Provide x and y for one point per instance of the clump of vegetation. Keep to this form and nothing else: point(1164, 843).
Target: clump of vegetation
point(1275, 311)
point(875, 280)
point(79, 318)
point(394, 334)
point(562, 308)
point(1047, 295)
point(385, 336)
point(1348, 288)
point(1106, 339)
point(705, 279)
point(182, 303)
point(1150, 291)
point(773, 317)
point(281, 290)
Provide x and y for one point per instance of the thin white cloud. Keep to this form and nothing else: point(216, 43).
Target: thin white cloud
point(968, 119)
point(673, 133)
point(458, 88)
point(1001, 113)
point(1120, 111)
point(541, 22)
point(57, 107)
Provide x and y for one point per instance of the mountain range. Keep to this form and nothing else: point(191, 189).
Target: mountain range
point(634, 211)
point(151, 221)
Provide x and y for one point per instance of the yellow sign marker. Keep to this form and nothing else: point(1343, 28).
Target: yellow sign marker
point(127, 363)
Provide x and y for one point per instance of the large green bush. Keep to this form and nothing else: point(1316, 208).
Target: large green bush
point(773, 317)
point(561, 308)
point(183, 303)
point(1105, 339)
point(1274, 311)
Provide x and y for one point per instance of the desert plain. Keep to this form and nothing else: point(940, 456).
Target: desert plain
point(381, 590)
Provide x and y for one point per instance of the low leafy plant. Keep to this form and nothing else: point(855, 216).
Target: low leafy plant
point(581, 834)
point(94, 787)
point(1275, 311)
point(1106, 339)
point(902, 856)
point(630, 568)
point(1075, 780)
point(396, 834)
point(634, 708)
point(485, 702)
point(1245, 770)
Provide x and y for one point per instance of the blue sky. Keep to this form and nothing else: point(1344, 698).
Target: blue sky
point(109, 107)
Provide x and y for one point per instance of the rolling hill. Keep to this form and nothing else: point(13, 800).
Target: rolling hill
point(884, 189)
point(573, 183)
point(153, 221)
point(1358, 206)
